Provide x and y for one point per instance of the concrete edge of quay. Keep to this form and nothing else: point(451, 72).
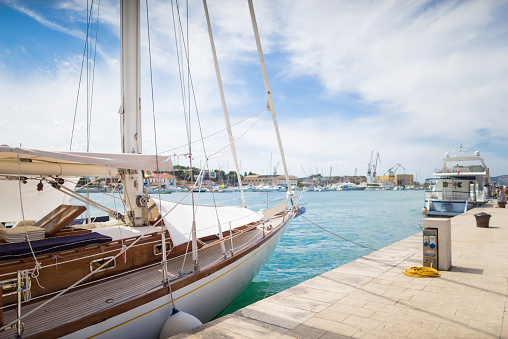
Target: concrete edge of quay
point(371, 297)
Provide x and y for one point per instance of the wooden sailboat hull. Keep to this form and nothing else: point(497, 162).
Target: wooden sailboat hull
point(204, 295)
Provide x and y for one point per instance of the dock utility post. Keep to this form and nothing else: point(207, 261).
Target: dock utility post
point(437, 245)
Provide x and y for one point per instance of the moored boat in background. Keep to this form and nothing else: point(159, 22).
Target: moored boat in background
point(458, 186)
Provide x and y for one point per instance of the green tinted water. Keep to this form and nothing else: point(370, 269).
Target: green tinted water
point(372, 218)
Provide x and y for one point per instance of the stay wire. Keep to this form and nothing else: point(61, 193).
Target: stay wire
point(262, 111)
point(280, 259)
point(338, 236)
point(80, 75)
point(93, 75)
point(153, 100)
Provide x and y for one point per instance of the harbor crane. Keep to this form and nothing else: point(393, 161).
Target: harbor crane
point(391, 171)
point(371, 170)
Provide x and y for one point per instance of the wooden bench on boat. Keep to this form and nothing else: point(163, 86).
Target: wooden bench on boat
point(60, 217)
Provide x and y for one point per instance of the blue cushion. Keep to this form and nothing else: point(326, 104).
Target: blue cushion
point(22, 249)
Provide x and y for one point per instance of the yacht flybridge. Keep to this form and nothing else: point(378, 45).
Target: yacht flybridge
point(132, 276)
point(458, 186)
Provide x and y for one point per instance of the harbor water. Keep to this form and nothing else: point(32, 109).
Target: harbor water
point(374, 219)
point(314, 243)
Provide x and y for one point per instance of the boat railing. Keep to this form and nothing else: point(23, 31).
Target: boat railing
point(438, 195)
point(455, 169)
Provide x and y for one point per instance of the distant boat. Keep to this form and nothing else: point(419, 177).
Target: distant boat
point(457, 186)
point(352, 187)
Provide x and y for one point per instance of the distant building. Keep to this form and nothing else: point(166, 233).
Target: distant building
point(352, 179)
point(398, 179)
point(280, 180)
point(165, 179)
point(209, 183)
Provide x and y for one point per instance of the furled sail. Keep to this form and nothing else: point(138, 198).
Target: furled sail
point(37, 162)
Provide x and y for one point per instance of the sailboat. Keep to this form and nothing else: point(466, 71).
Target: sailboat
point(130, 276)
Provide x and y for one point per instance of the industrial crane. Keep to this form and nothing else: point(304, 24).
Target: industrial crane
point(369, 166)
point(394, 168)
point(371, 171)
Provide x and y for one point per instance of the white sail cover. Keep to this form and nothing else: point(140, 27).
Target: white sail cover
point(36, 204)
point(36, 162)
point(179, 220)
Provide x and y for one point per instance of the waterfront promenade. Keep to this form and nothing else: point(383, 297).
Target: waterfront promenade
point(371, 297)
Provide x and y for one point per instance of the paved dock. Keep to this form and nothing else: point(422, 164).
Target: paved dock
point(371, 298)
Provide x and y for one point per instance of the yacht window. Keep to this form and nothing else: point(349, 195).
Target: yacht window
point(157, 249)
point(94, 264)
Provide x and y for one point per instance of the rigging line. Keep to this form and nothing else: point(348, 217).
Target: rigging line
point(280, 259)
point(263, 111)
point(241, 135)
point(189, 138)
point(180, 71)
point(268, 91)
point(93, 70)
point(338, 236)
point(223, 148)
point(153, 100)
point(184, 53)
point(37, 263)
point(123, 250)
point(87, 74)
point(80, 77)
point(190, 84)
point(116, 208)
point(180, 62)
point(224, 107)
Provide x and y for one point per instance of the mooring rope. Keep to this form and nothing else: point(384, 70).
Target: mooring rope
point(338, 236)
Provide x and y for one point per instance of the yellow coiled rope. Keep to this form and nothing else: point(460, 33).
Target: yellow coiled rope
point(421, 272)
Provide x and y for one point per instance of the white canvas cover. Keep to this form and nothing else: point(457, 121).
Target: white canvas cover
point(36, 204)
point(37, 162)
point(179, 220)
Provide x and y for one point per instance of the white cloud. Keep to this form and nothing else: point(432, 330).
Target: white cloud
point(432, 74)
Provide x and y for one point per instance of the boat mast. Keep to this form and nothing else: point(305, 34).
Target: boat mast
point(224, 107)
point(270, 107)
point(130, 110)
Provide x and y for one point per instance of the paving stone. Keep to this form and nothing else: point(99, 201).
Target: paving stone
point(314, 294)
point(307, 332)
point(299, 302)
point(332, 326)
point(486, 318)
point(493, 329)
point(327, 284)
point(362, 322)
point(350, 309)
point(275, 314)
point(333, 314)
point(396, 330)
point(250, 328)
point(372, 298)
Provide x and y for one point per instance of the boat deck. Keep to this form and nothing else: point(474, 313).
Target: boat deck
point(98, 296)
point(372, 298)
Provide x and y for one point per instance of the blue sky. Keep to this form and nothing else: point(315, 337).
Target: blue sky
point(411, 80)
